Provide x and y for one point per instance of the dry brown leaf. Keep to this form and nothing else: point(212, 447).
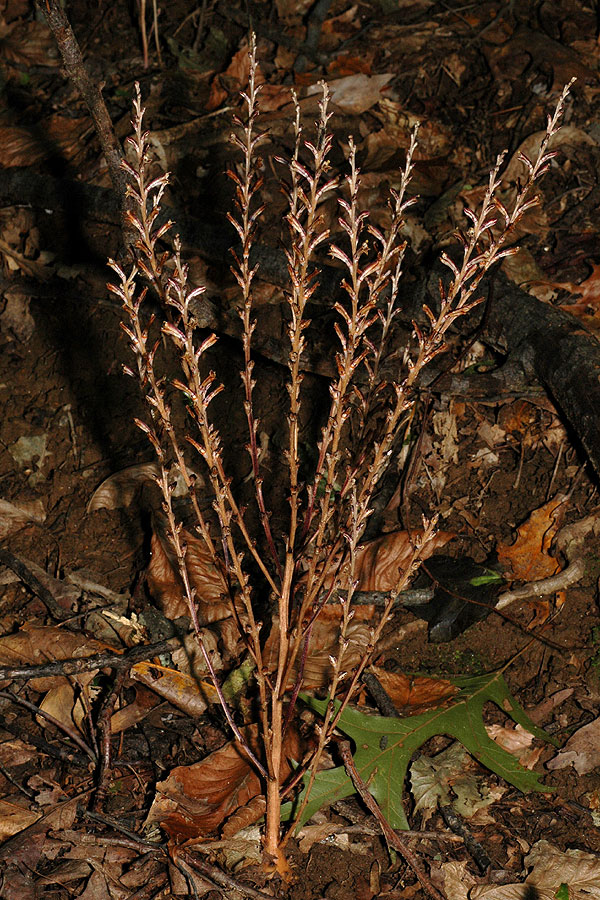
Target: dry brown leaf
point(582, 750)
point(380, 563)
point(518, 741)
point(20, 146)
point(119, 489)
point(183, 691)
point(355, 94)
point(529, 559)
point(164, 582)
point(36, 645)
point(136, 711)
point(28, 44)
point(15, 818)
point(14, 516)
point(412, 694)
point(195, 800)
point(317, 672)
point(245, 816)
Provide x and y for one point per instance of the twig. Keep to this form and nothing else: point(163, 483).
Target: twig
point(393, 840)
point(90, 92)
point(62, 726)
point(222, 879)
point(456, 824)
point(16, 565)
point(381, 697)
point(103, 819)
point(573, 573)
point(74, 665)
point(103, 725)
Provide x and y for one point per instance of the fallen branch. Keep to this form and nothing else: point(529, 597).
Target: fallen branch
point(393, 839)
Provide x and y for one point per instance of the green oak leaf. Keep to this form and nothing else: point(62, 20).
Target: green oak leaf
point(384, 746)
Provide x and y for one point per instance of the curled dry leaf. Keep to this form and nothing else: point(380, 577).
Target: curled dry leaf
point(28, 44)
point(36, 645)
point(582, 750)
point(413, 694)
point(550, 868)
point(183, 691)
point(529, 558)
point(119, 489)
point(380, 563)
point(165, 585)
point(195, 800)
point(39, 645)
point(323, 644)
point(26, 147)
point(355, 93)
point(14, 516)
point(517, 740)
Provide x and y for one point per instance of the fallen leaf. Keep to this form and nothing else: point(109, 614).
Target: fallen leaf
point(166, 587)
point(551, 868)
point(582, 750)
point(35, 645)
point(195, 800)
point(15, 818)
point(323, 644)
point(183, 691)
point(355, 93)
point(411, 694)
point(119, 489)
point(517, 741)
point(380, 563)
point(449, 778)
point(56, 136)
point(14, 516)
point(529, 558)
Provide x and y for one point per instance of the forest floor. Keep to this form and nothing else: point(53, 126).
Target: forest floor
point(76, 577)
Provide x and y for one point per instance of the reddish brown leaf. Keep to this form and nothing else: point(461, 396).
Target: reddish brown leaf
point(183, 691)
point(323, 643)
point(412, 694)
point(165, 585)
point(194, 800)
point(381, 562)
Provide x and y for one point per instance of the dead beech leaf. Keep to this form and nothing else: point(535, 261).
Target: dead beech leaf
point(39, 645)
point(411, 694)
point(355, 94)
point(245, 816)
point(587, 306)
point(529, 559)
point(582, 750)
point(136, 711)
point(165, 585)
point(323, 644)
point(518, 741)
point(119, 489)
point(20, 146)
point(36, 645)
point(15, 818)
point(381, 562)
point(14, 516)
point(195, 800)
point(28, 44)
